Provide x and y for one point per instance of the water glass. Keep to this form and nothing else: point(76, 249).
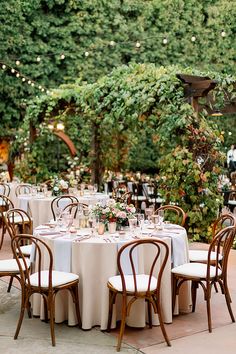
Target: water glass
point(161, 216)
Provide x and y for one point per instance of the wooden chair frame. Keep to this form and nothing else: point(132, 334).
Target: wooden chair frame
point(152, 297)
point(55, 202)
point(180, 214)
point(73, 208)
point(6, 189)
point(27, 188)
point(6, 204)
point(48, 293)
point(221, 244)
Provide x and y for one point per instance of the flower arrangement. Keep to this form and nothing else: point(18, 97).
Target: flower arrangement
point(113, 212)
point(59, 186)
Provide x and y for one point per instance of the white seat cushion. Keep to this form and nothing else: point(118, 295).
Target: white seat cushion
point(201, 256)
point(10, 265)
point(195, 270)
point(26, 250)
point(58, 278)
point(142, 282)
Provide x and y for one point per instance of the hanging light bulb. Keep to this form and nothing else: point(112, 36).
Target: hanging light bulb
point(165, 41)
point(17, 62)
point(86, 54)
point(3, 66)
point(40, 87)
point(48, 92)
point(223, 33)
point(29, 82)
point(17, 75)
point(32, 84)
point(60, 126)
point(50, 126)
point(62, 56)
point(12, 70)
point(112, 43)
point(137, 44)
point(23, 79)
point(38, 59)
point(193, 38)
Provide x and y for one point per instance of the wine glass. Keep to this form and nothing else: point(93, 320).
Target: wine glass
point(148, 213)
point(140, 219)
point(161, 216)
point(133, 224)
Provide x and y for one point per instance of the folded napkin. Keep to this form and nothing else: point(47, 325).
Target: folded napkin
point(62, 255)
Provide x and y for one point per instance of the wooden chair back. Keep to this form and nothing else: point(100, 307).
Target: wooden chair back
point(158, 251)
point(61, 202)
point(221, 244)
point(5, 189)
point(18, 220)
point(73, 208)
point(232, 195)
point(174, 213)
point(23, 188)
point(126, 198)
point(222, 221)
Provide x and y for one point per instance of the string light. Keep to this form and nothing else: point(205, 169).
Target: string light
point(62, 56)
point(3, 66)
point(12, 70)
point(223, 34)
point(17, 75)
point(29, 82)
point(18, 62)
point(23, 79)
point(86, 54)
point(38, 59)
point(138, 45)
point(165, 41)
point(193, 38)
point(112, 43)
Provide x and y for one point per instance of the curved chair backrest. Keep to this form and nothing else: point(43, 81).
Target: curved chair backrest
point(221, 244)
point(224, 220)
point(23, 188)
point(16, 219)
point(73, 208)
point(126, 198)
point(5, 203)
point(159, 252)
point(232, 196)
point(5, 189)
point(61, 202)
point(174, 212)
point(41, 252)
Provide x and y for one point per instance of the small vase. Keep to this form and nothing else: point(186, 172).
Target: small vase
point(101, 228)
point(112, 227)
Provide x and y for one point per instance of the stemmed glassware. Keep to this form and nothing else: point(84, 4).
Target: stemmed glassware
point(148, 213)
point(161, 217)
point(133, 224)
point(140, 220)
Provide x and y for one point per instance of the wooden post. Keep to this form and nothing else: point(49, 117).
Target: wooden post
point(96, 156)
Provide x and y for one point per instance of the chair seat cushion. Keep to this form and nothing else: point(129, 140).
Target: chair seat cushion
point(10, 265)
point(26, 250)
point(142, 282)
point(58, 278)
point(201, 256)
point(195, 270)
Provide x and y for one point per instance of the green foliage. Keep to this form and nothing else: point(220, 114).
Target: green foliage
point(131, 104)
point(108, 31)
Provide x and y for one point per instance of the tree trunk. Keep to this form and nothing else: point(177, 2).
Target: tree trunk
point(96, 156)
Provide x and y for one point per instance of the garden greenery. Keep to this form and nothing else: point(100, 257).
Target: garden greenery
point(109, 119)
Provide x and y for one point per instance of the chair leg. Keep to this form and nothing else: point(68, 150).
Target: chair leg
point(112, 300)
point(159, 311)
point(24, 300)
point(75, 291)
point(228, 301)
point(51, 312)
point(208, 302)
point(149, 313)
point(194, 288)
point(2, 236)
point(45, 308)
point(122, 325)
point(174, 292)
point(10, 285)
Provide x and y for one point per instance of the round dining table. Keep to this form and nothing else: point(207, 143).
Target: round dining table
point(94, 259)
point(39, 206)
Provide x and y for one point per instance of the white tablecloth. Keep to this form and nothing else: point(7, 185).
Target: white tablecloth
point(95, 260)
point(40, 207)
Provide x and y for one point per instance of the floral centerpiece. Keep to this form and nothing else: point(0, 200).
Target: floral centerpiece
point(113, 212)
point(59, 186)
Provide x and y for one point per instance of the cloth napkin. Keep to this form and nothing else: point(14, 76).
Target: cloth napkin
point(62, 255)
point(125, 262)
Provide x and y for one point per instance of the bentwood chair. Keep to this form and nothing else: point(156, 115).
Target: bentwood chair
point(138, 286)
point(201, 256)
point(207, 274)
point(5, 189)
point(74, 208)
point(5, 204)
point(173, 213)
point(44, 282)
point(126, 198)
point(60, 202)
point(18, 221)
point(23, 188)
